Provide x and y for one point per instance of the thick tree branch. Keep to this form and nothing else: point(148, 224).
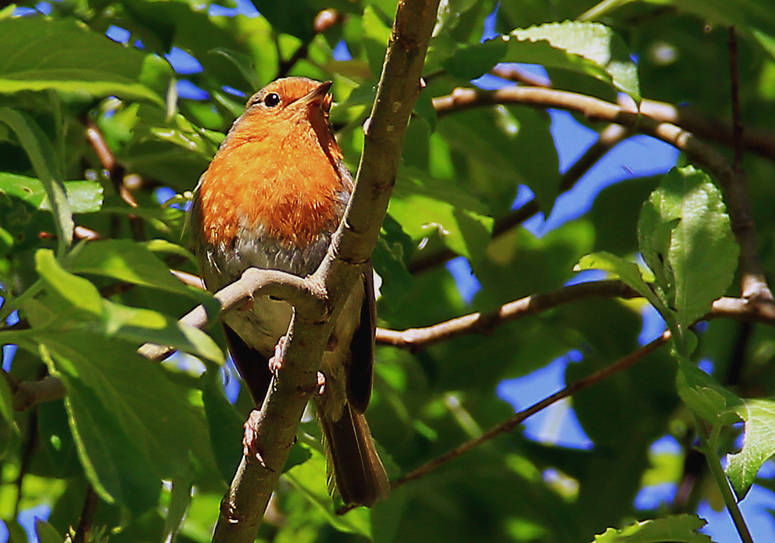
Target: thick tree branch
point(512, 422)
point(399, 87)
point(733, 185)
point(306, 294)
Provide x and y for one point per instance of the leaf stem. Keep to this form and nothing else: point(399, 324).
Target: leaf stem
point(601, 9)
point(714, 463)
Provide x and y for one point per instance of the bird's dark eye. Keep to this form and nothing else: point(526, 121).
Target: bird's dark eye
point(272, 99)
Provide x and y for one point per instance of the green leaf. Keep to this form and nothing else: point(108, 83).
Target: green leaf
point(458, 217)
point(84, 196)
point(686, 239)
point(74, 291)
point(582, 47)
point(629, 272)
point(758, 444)
point(470, 61)
point(676, 528)
point(46, 532)
point(131, 422)
point(180, 501)
point(225, 424)
point(310, 478)
point(41, 153)
point(493, 137)
point(77, 304)
point(704, 396)
point(126, 261)
point(82, 61)
point(747, 15)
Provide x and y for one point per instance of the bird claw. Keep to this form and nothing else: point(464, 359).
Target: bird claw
point(276, 362)
point(249, 438)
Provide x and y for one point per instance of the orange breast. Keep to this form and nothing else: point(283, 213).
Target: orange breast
point(287, 184)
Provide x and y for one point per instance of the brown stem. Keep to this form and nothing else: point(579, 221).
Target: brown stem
point(509, 424)
point(416, 339)
point(757, 140)
point(116, 174)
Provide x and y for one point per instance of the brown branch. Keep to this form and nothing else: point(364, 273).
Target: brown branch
point(28, 394)
point(757, 140)
point(115, 173)
point(243, 506)
point(511, 423)
point(416, 339)
point(736, 192)
point(608, 139)
point(306, 294)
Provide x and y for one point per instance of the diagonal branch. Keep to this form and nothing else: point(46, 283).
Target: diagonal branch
point(509, 424)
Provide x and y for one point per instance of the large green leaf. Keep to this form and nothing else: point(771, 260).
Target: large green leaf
point(82, 61)
point(75, 303)
point(84, 196)
point(132, 424)
point(686, 239)
point(41, 154)
point(583, 47)
point(126, 261)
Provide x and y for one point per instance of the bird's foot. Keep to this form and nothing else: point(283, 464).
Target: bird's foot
point(276, 362)
point(250, 437)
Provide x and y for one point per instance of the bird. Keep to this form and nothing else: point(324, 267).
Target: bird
point(271, 198)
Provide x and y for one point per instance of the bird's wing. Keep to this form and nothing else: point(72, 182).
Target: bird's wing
point(252, 365)
point(360, 372)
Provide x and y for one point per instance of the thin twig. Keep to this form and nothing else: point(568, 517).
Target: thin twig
point(755, 140)
point(609, 137)
point(714, 463)
point(509, 424)
point(416, 339)
point(115, 173)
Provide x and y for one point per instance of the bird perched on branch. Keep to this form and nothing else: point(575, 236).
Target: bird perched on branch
point(272, 198)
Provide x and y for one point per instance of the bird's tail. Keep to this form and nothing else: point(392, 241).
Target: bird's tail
point(354, 467)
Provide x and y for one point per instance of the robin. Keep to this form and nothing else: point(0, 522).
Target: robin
point(272, 198)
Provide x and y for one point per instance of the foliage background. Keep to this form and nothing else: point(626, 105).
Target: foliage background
point(139, 451)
